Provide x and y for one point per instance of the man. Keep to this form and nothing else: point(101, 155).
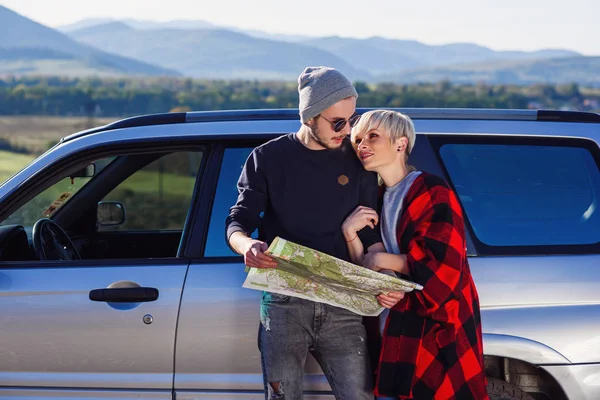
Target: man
point(306, 183)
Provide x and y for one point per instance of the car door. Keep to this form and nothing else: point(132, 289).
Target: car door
point(69, 329)
point(57, 343)
point(217, 354)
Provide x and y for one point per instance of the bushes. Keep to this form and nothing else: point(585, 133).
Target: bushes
point(127, 97)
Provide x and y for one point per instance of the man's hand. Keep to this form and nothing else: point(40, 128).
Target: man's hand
point(391, 299)
point(253, 250)
point(254, 254)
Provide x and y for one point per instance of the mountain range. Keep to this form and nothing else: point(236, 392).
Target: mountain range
point(212, 53)
point(199, 49)
point(27, 47)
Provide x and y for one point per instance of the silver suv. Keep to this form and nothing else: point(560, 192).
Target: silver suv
point(116, 280)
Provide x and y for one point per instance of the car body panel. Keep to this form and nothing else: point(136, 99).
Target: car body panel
point(207, 395)
point(70, 394)
point(577, 381)
point(54, 336)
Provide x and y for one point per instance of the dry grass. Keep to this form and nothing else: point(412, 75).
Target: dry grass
point(37, 134)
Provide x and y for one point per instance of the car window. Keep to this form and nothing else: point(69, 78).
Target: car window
point(225, 197)
point(45, 204)
point(158, 196)
point(527, 195)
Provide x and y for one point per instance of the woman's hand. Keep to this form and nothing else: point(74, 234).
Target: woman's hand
point(359, 218)
point(390, 300)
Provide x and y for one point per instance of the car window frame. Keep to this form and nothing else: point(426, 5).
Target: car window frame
point(75, 159)
point(197, 236)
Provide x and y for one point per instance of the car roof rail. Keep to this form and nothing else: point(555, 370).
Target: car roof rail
point(292, 114)
point(567, 116)
point(141, 120)
point(414, 113)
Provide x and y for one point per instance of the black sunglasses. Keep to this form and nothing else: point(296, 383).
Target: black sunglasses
point(339, 124)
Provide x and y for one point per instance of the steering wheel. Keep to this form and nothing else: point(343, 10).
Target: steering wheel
point(51, 242)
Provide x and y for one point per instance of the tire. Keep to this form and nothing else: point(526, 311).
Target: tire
point(501, 390)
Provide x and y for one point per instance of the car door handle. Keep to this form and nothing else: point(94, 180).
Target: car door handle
point(124, 295)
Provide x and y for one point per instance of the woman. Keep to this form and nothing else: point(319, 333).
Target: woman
point(431, 344)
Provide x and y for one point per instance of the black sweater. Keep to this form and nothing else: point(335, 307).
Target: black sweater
point(305, 195)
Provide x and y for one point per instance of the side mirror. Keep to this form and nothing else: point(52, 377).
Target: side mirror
point(110, 213)
point(85, 172)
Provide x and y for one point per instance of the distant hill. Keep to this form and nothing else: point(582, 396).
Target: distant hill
point(28, 47)
point(179, 24)
point(137, 24)
point(84, 23)
point(583, 70)
point(117, 27)
point(366, 54)
point(213, 53)
point(384, 56)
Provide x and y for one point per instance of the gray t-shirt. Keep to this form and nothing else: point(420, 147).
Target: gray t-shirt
point(393, 200)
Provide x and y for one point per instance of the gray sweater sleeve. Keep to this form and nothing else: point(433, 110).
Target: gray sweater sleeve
point(252, 199)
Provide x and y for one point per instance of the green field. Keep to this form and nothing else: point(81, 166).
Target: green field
point(10, 163)
point(147, 182)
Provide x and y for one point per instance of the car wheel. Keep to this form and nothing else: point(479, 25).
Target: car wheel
point(501, 390)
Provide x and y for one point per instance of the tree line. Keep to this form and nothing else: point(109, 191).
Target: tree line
point(120, 97)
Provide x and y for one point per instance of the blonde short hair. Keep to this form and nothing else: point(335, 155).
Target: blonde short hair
point(391, 123)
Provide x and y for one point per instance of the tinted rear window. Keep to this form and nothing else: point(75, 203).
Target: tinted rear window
point(526, 195)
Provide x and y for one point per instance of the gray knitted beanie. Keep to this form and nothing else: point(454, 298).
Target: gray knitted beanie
point(320, 88)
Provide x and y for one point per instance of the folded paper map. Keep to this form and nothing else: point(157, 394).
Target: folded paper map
point(310, 274)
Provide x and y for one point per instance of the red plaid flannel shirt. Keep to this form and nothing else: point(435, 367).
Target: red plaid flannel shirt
point(432, 345)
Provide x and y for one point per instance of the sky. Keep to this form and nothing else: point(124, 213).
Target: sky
point(498, 24)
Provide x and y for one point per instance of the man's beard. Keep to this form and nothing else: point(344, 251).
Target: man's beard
point(315, 134)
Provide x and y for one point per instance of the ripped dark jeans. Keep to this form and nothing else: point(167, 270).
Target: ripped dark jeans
point(292, 327)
